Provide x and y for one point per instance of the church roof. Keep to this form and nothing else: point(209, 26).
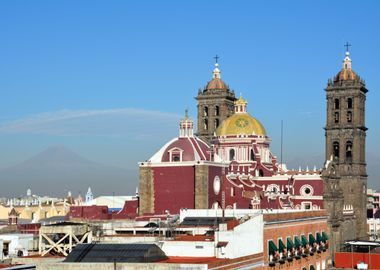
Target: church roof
point(346, 73)
point(241, 123)
point(190, 149)
point(216, 83)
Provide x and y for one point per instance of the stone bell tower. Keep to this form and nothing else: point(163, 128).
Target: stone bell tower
point(215, 104)
point(345, 177)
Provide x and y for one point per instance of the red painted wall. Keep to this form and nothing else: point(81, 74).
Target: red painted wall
point(349, 260)
point(89, 212)
point(173, 188)
point(212, 197)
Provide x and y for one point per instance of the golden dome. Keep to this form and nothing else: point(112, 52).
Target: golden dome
point(241, 124)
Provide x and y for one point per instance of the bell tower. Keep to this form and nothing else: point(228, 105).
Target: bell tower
point(345, 177)
point(215, 103)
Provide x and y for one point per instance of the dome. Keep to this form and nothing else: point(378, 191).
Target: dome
point(241, 124)
point(182, 149)
point(216, 83)
point(346, 75)
point(186, 147)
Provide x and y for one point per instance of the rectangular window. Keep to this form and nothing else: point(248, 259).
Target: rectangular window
point(336, 117)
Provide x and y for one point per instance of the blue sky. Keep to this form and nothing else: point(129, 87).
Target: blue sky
point(110, 79)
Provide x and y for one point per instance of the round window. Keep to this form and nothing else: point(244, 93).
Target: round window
point(307, 190)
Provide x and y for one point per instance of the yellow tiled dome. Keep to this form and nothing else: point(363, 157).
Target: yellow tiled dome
point(241, 124)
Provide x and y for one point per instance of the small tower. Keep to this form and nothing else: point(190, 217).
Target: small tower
point(89, 195)
point(186, 126)
point(240, 105)
point(215, 103)
point(345, 177)
point(13, 216)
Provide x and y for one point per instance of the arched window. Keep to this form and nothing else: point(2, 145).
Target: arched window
point(349, 117)
point(349, 103)
point(336, 150)
point(252, 155)
point(205, 124)
point(205, 111)
point(261, 172)
point(232, 154)
point(336, 117)
point(349, 151)
point(216, 110)
point(216, 123)
point(336, 104)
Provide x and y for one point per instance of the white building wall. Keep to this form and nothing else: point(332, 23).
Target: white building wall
point(188, 248)
point(244, 240)
point(1, 250)
point(17, 242)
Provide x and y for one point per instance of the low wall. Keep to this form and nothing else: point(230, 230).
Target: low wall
point(119, 266)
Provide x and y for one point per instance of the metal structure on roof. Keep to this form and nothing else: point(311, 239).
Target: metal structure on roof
point(61, 238)
point(116, 253)
point(204, 221)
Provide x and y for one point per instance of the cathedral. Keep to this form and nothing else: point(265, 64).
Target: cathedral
point(227, 163)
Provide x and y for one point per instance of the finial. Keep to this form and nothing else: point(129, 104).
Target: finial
point(216, 72)
point(187, 113)
point(347, 60)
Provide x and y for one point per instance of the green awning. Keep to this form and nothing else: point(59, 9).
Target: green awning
point(311, 239)
point(289, 243)
point(319, 238)
point(304, 240)
point(324, 236)
point(297, 242)
point(272, 248)
point(281, 245)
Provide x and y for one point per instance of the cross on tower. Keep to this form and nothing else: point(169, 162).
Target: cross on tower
point(347, 45)
point(216, 58)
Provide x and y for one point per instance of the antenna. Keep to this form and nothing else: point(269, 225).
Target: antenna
point(282, 135)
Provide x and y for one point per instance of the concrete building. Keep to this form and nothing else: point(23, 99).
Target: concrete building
point(15, 245)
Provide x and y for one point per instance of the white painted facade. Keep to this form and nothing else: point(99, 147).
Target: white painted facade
point(16, 242)
point(1, 250)
point(111, 201)
point(244, 240)
point(189, 248)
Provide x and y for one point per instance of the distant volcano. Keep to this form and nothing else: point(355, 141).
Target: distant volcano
point(57, 170)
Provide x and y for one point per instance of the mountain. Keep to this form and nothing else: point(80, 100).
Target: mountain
point(57, 170)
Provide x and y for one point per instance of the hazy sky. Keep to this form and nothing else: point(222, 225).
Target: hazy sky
point(110, 79)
